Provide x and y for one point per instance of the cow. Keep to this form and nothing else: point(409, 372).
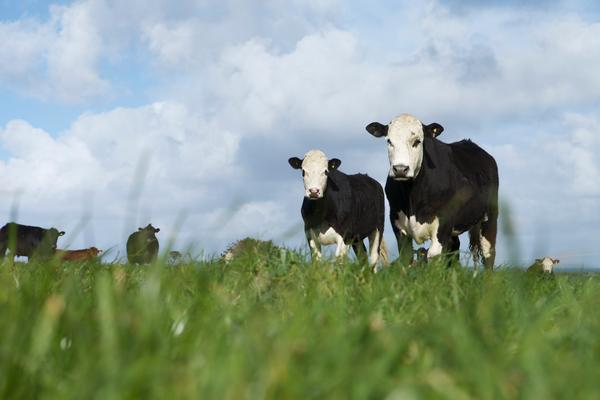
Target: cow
point(28, 241)
point(78, 255)
point(341, 209)
point(436, 190)
point(543, 265)
point(142, 246)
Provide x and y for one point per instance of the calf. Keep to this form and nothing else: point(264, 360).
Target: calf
point(28, 241)
point(437, 191)
point(142, 246)
point(340, 209)
point(78, 255)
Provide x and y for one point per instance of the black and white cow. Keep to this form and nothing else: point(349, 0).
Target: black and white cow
point(28, 241)
point(437, 191)
point(341, 209)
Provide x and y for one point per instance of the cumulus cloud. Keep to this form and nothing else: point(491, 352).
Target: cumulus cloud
point(235, 89)
point(179, 160)
point(54, 59)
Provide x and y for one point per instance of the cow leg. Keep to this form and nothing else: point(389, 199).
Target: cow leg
point(342, 248)
point(405, 250)
point(359, 249)
point(454, 249)
point(488, 241)
point(475, 243)
point(374, 248)
point(440, 240)
point(315, 246)
point(435, 249)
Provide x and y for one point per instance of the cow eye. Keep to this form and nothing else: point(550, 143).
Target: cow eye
point(416, 143)
point(389, 142)
point(326, 172)
point(303, 172)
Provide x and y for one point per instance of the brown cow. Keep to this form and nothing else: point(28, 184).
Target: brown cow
point(78, 255)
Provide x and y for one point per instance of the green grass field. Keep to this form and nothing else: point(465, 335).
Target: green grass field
point(276, 326)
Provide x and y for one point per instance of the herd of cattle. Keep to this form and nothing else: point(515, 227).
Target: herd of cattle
point(32, 241)
point(435, 190)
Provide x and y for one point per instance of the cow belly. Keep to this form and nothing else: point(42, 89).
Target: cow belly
point(325, 235)
point(420, 232)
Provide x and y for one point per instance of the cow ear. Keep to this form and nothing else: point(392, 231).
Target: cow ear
point(376, 129)
point(334, 163)
point(295, 162)
point(433, 130)
point(555, 261)
point(156, 229)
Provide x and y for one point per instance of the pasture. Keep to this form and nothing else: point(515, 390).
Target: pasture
point(276, 325)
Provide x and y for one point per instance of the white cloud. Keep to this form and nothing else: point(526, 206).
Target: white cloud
point(245, 86)
point(187, 164)
point(55, 59)
point(573, 154)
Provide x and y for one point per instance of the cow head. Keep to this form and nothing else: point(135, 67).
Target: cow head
point(405, 135)
point(315, 169)
point(547, 264)
point(51, 237)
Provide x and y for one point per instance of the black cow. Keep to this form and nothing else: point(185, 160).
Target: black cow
point(438, 191)
point(28, 241)
point(341, 209)
point(142, 246)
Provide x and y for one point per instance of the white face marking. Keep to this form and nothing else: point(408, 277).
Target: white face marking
point(405, 147)
point(548, 264)
point(314, 172)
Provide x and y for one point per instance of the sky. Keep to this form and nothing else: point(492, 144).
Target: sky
point(117, 114)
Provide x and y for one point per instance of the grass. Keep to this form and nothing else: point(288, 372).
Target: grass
point(277, 326)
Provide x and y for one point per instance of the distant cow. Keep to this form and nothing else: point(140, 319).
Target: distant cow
point(78, 255)
point(28, 241)
point(340, 209)
point(142, 246)
point(437, 191)
point(543, 265)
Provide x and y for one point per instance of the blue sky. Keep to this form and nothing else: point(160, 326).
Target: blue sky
point(213, 97)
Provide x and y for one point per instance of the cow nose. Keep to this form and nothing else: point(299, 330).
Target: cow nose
point(400, 169)
point(313, 192)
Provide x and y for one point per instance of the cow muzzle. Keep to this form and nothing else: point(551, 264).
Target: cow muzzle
point(314, 193)
point(400, 172)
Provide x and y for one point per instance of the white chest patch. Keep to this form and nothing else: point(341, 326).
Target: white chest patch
point(419, 232)
point(325, 235)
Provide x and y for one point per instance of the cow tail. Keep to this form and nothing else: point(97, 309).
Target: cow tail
point(383, 252)
point(475, 243)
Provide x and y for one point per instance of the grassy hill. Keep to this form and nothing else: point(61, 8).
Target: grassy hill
point(275, 326)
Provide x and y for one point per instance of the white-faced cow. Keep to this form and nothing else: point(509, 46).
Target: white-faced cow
point(142, 246)
point(543, 265)
point(341, 209)
point(437, 191)
point(28, 241)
